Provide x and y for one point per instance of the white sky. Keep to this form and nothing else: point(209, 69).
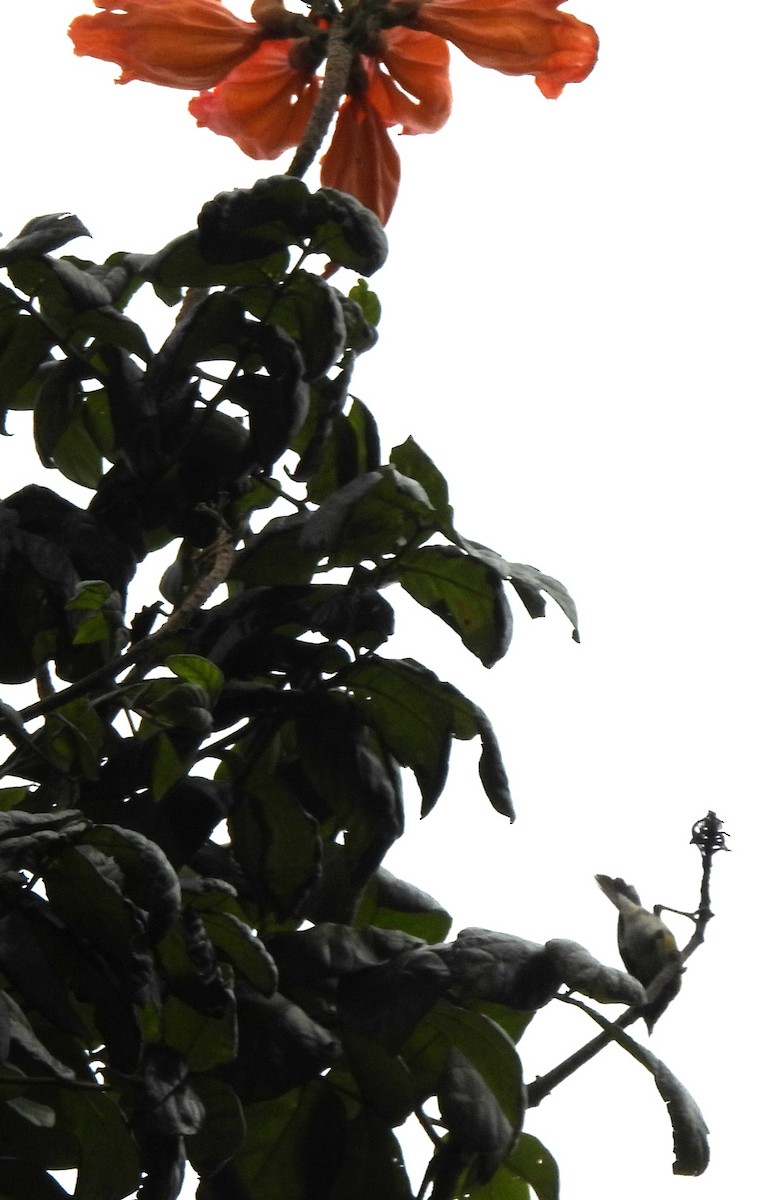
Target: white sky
point(572, 308)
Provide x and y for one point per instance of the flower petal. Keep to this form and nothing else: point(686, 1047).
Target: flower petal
point(361, 158)
point(516, 37)
point(178, 43)
point(264, 104)
point(419, 63)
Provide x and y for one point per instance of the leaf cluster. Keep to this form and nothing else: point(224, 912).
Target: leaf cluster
point(202, 957)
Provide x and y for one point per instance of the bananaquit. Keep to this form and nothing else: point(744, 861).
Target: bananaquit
point(645, 944)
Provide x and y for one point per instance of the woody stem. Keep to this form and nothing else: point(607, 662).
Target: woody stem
point(339, 59)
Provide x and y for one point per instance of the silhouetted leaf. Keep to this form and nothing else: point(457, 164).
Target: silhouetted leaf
point(533, 1163)
point(203, 1039)
point(478, 1127)
point(416, 716)
point(25, 343)
point(467, 594)
point(390, 903)
point(502, 968)
point(309, 310)
point(243, 949)
point(254, 222)
point(275, 841)
point(411, 460)
point(42, 234)
point(94, 1119)
point(372, 1154)
point(349, 234)
point(222, 1130)
point(375, 514)
point(583, 973)
point(25, 1181)
point(489, 1051)
point(150, 880)
point(367, 300)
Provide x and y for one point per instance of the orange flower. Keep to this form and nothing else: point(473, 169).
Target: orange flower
point(361, 158)
point(263, 104)
point(263, 75)
point(516, 37)
point(178, 43)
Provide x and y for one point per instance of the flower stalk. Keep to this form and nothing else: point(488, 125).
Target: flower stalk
point(336, 72)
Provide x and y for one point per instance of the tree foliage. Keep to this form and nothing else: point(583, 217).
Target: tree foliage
point(202, 956)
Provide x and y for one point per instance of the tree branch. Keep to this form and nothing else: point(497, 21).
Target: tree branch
point(707, 834)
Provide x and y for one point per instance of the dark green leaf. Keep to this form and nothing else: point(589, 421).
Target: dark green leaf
point(532, 1162)
point(477, 1124)
point(168, 1105)
point(280, 1047)
point(309, 310)
point(502, 968)
point(42, 234)
point(367, 300)
point(275, 841)
point(387, 1002)
point(253, 223)
point(383, 1081)
point(25, 343)
point(276, 555)
point(528, 582)
point(416, 716)
point(25, 1181)
point(196, 670)
point(411, 460)
point(181, 264)
point(467, 594)
point(349, 234)
point(97, 615)
point(150, 880)
point(390, 903)
point(62, 436)
point(27, 840)
point(26, 1045)
point(344, 446)
point(689, 1129)
point(583, 973)
point(73, 739)
point(96, 1122)
point(34, 976)
point(205, 1040)
point(229, 934)
point(331, 950)
point(277, 402)
point(489, 1050)
point(371, 1154)
point(375, 514)
point(223, 1129)
point(412, 712)
point(107, 325)
point(291, 1148)
point(86, 893)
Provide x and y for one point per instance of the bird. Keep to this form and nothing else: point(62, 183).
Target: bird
point(646, 944)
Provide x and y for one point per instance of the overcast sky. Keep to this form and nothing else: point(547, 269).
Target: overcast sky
point(572, 330)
